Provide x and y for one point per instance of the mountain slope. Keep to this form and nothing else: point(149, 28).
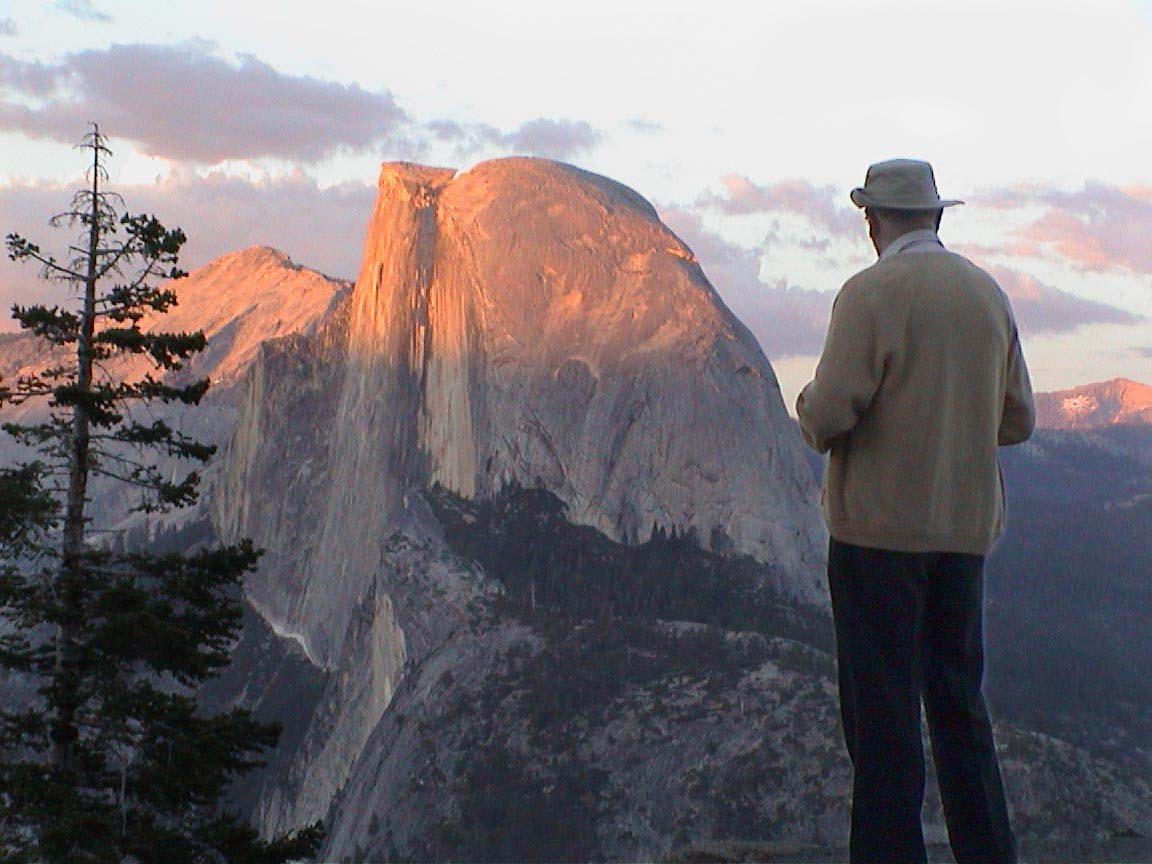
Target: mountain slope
point(1070, 585)
point(521, 322)
point(1095, 406)
point(239, 300)
point(587, 700)
point(526, 321)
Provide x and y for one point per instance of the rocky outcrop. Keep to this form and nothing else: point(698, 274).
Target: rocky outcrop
point(239, 301)
point(527, 321)
point(457, 688)
point(523, 322)
point(243, 299)
point(1120, 401)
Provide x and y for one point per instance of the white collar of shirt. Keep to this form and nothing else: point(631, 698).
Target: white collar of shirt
point(924, 238)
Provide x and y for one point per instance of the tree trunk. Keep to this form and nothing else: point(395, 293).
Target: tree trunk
point(65, 678)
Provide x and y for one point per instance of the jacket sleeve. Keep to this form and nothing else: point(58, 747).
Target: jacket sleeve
point(1019, 415)
point(849, 373)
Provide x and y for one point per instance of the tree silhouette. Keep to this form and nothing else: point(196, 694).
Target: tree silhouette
point(111, 757)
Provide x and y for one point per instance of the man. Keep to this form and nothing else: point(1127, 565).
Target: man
point(920, 379)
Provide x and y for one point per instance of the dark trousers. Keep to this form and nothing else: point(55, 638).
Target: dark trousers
point(909, 626)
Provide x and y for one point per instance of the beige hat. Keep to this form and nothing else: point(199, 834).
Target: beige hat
point(900, 184)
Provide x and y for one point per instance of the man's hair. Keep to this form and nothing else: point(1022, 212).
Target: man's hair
point(910, 219)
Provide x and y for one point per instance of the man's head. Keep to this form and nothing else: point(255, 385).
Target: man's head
point(886, 224)
point(899, 196)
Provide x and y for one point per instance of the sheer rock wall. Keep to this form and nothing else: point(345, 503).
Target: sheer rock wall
point(521, 321)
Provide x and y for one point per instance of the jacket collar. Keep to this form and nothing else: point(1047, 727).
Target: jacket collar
point(921, 236)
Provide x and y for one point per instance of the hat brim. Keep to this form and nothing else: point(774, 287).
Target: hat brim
point(861, 198)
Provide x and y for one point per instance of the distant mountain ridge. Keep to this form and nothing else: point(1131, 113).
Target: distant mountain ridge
point(238, 300)
point(1096, 406)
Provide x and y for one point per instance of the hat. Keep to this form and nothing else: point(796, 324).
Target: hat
point(900, 184)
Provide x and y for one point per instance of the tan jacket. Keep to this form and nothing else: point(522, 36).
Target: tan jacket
point(921, 378)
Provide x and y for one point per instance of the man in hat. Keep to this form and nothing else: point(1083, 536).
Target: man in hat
point(921, 378)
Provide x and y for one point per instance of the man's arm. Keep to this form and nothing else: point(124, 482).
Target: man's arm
point(849, 373)
point(1019, 415)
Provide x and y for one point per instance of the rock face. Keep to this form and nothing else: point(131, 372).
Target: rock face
point(245, 298)
point(527, 321)
point(1096, 406)
point(239, 300)
point(521, 322)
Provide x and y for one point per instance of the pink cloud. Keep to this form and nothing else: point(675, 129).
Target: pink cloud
point(1043, 309)
point(791, 321)
point(818, 204)
point(1097, 228)
point(182, 101)
point(1070, 238)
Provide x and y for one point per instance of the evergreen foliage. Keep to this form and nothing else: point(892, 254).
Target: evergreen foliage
point(552, 569)
point(112, 761)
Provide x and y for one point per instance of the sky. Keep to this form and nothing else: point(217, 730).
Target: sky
point(745, 124)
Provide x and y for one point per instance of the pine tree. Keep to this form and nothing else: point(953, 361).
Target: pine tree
point(112, 761)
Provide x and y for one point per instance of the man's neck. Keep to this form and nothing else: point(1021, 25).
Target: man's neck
point(916, 237)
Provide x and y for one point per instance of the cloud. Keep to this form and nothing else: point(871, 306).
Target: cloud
point(26, 77)
point(787, 320)
point(322, 228)
point(1098, 228)
point(8, 27)
point(543, 136)
point(183, 102)
point(792, 321)
point(817, 204)
point(1042, 309)
point(82, 9)
point(558, 139)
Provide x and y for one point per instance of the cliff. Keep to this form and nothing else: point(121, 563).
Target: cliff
point(526, 321)
point(523, 322)
point(239, 301)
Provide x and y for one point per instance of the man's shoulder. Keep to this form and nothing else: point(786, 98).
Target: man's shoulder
point(904, 278)
point(915, 266)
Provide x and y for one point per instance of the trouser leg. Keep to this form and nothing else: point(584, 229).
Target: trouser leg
point(971, 789)
point(878, 607)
